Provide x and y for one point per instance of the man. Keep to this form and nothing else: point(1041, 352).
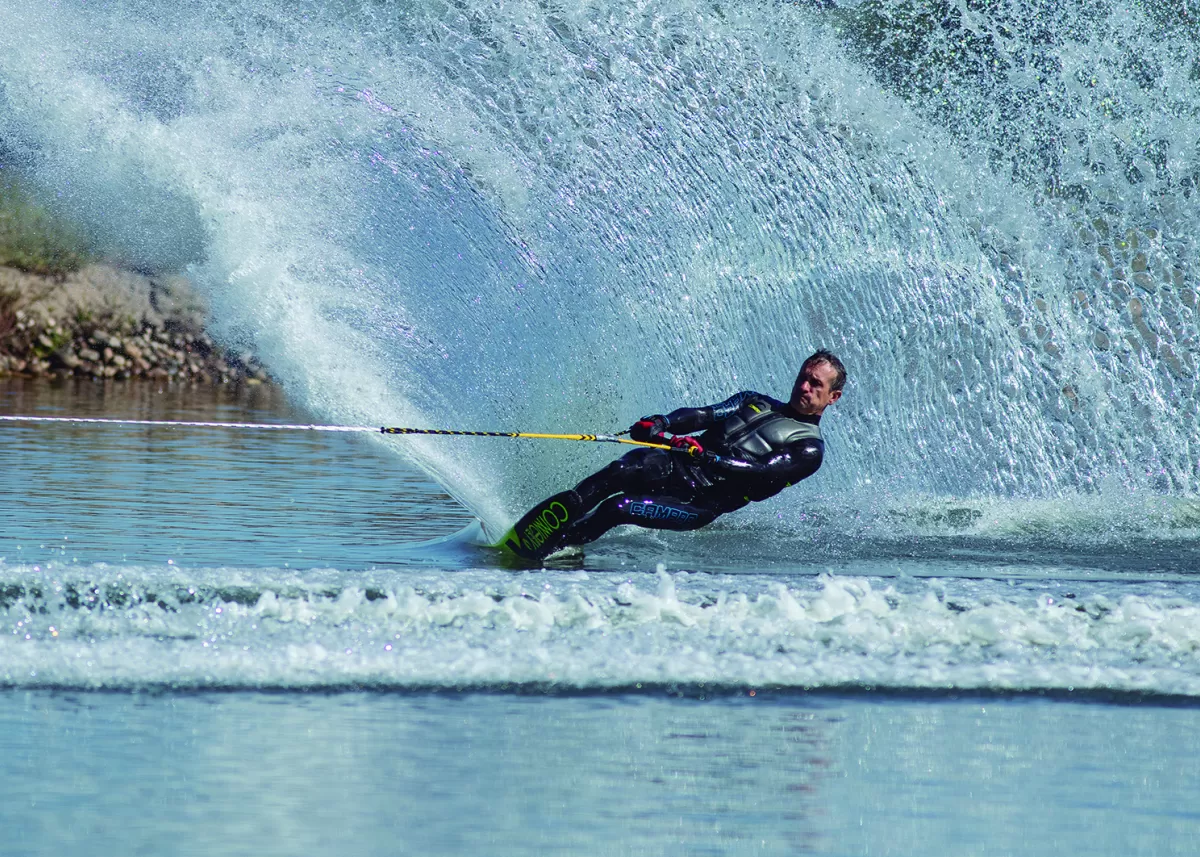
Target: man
point(752, 447)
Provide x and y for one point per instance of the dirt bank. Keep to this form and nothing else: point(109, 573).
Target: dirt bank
point(104, 322)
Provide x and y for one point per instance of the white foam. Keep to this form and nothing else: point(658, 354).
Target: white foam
point(591, 631)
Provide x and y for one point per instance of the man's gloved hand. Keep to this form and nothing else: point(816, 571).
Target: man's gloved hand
point(687, 444)
point(649, 429)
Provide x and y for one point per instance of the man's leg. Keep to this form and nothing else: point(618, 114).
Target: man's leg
point(543, 529)
point(656, 512)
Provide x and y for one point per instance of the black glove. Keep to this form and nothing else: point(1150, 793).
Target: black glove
point(649, 429)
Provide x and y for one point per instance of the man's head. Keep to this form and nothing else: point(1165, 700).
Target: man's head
point(819, 383)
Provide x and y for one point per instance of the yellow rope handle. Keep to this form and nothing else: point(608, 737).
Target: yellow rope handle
point(600, 438)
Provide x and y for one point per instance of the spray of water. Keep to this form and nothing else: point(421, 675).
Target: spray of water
point(525, 217)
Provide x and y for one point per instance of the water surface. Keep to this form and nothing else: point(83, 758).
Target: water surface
point(529, 217)
point(266, 774)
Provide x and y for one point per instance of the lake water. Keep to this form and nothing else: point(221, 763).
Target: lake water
point(223, 642)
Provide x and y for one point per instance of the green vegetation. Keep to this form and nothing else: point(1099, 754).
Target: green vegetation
point(32, 237)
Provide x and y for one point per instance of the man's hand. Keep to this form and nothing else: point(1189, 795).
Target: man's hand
point(687, 444)
point(649, 429)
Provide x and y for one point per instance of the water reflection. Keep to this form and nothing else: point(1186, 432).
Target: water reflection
point(199, 496)
point(317, 774)
point(423, 774)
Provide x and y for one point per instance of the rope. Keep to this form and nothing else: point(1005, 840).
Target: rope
point(600, 438)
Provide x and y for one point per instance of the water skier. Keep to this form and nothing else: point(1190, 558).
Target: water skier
point(752, 447)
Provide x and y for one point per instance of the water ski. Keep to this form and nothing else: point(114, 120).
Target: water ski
point(536, 534)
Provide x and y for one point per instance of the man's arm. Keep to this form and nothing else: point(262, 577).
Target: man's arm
point(795, 462)
point(689, 420)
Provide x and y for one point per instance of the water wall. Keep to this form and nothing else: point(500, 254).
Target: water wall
point(557, 217)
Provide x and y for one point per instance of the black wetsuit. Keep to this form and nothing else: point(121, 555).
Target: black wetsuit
point(754, 447)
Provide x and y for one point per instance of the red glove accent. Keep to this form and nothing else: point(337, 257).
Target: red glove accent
point(648, 430)
point(688, 444)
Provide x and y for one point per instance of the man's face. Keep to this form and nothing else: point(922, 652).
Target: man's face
point(813, 393)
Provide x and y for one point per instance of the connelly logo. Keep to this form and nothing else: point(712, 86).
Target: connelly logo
point(543, 525)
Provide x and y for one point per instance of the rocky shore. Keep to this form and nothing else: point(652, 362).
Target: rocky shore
point(104, 322)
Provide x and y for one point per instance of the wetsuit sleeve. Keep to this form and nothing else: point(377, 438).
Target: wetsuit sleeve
point(692, 420)
point(791, 464)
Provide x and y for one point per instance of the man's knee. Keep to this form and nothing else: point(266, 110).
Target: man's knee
point(656, 513)
point(664, 513)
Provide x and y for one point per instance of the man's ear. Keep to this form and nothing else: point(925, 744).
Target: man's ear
point(834, 396)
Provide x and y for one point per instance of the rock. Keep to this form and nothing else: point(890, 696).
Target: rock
point(66, 358)
point(114, 323)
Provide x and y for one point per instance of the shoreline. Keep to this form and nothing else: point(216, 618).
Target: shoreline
point(107, 323)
